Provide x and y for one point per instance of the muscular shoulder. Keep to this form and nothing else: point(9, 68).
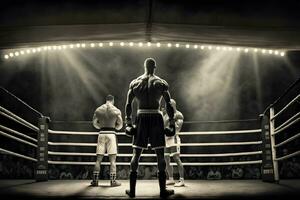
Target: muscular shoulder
point(161, 83)
point(135, 82)
point(178, 115)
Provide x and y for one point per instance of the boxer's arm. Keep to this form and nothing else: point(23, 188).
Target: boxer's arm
point(96, 123)
point(128, 107)
point(119, 122)
point(169, 108)
point(179, 121)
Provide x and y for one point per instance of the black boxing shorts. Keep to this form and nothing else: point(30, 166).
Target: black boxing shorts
point(150, 129)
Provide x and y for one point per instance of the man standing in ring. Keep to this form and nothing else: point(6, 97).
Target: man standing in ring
point(108, 119)
point(148, 90)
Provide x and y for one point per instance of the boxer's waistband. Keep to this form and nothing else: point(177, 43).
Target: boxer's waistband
point(148, 111)
point(107, 130)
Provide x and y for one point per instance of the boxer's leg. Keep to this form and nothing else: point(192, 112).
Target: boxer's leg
point(113, 171)
point(96, 170)
point(176, 158)
point(169, 169)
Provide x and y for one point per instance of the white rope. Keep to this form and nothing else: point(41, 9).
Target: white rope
point(181, 133)
point(17, 133)
point(288, 156)
point(18, 139)
point(288, 121)
point(295, 99)
point(182, 144)
point(17, 154)
point(288, 140)
point(286, 126)
point(18, 119)
point(154, 163)
point(154, 155)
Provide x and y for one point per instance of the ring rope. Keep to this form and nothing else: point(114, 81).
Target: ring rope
point(285, 107)
point(183, 144)
point(19, 119)
point(23, 102)
point(287, 140)
point(17, 154)
point(286, 122)
point(17, 133)
point(18, 139)
point(181, 133)
point(288, 156)
point(154, 163)
point(154, 155)
point(286, 126)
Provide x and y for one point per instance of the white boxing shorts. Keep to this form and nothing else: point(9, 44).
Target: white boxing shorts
point(172, 145)
point(107, 143)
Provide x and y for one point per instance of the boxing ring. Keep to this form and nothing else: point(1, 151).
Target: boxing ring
point(274, 122)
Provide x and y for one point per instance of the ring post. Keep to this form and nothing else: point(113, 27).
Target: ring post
point(268, 168)
point(41, 172)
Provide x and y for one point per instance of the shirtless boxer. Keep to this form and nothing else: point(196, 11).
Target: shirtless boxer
point(173, 147)
point(148, 90)
point(108, 119)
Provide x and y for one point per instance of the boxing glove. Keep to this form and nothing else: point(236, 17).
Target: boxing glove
point(170, 129)
point(130, 130)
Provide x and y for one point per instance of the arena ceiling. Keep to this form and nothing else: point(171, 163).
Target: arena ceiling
point(265, 24)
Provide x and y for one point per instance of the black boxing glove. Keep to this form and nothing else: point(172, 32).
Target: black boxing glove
point(130, 130)
point(170, 130)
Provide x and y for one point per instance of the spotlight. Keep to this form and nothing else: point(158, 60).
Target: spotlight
point(224, 48)
point(169, 44)
point(263, 51)
point(45, 48)
point(195, 46)
point(230, 48)
point(29, 51)
point(202, 47)
point(83, 45)
point(59, 47)
point(33, 50)
point(22, 52)
point(54, 47)
point(246, 50)
point(122, 44)
point(238, 48)
point(38, 49)
point(17, 53)
point(270, 51)
point(92, 45)
point(6, 56)
point(100, 44)
point(282, 53)
point(49, 48)
point(209, 47)
point(71, 46)
point(111, 44)
point(149, 44)
point(255, 50)
point(11, 54)
point(177, 45)
point(187, 46)
point(276, 52)
point(158, 44)
point(64, 46)
point(131, 44)
point(140, 44)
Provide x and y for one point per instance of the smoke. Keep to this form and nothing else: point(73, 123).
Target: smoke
point(210, 88)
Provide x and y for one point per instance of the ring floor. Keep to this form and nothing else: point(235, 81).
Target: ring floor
point(148, 189)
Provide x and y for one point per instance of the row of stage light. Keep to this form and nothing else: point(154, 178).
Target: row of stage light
point(16, 53)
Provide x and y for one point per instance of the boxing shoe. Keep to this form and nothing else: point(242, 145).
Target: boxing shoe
point(114, 183)
point(162, 185)
point(180, 183)
point(132, 184)
point(170, 182)
point(94, 183)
